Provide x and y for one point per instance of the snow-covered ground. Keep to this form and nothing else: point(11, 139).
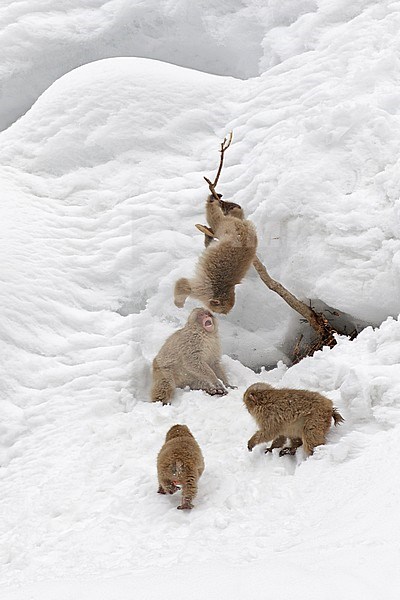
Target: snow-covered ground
point(102, 183)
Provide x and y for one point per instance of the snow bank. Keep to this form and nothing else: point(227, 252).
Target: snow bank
point(102, 184)
point(41, 42)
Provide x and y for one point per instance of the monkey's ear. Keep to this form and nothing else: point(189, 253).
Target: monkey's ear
point(214, 302)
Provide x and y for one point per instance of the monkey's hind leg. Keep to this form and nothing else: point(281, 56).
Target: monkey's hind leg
point(167, 487)
point(291, 449)
point(277, 443)
point(163, 386)
point(189, 491)
point(182, 291)
point(313, 435)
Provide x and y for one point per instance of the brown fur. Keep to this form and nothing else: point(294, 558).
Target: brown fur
point(229, 209)
point(190, 357)
point(223, 263)
point(287, 413)
point(180, 462)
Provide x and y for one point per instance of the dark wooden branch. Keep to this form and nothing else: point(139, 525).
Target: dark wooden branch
point(224, 146)
point(316, 320)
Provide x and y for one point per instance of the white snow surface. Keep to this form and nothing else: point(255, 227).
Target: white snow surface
point(102, 183)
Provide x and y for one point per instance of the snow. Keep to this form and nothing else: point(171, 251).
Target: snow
point(102, 184)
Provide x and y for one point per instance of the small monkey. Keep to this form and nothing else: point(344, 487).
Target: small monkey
point(286, 413)
point(180, 462)
point(190, 357)
point(223, 263)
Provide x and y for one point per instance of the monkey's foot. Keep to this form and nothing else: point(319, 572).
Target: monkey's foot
point(285, 451)
point(267, 450)
point(186, 505)
point(250, 448)
point(161, 490)
point(161, 399)
point(217, 391)
point(171, 489)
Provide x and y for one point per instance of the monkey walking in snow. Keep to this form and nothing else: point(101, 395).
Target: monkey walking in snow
point(300, 415)
point(180, 463)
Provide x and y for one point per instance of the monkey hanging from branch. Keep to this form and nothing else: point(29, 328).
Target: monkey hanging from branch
point(225, 262)
point(325, 331)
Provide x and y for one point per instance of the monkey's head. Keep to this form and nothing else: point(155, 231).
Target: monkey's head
point(203, 317)
point(224, 303)
point(177, 431)
point(255, 395)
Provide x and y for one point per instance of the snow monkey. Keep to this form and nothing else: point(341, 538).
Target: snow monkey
point(190, 357)
point(180, 462)
point(286, 413)
point(223, 263)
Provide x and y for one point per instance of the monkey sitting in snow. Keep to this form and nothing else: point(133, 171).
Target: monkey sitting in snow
point(180, 462)
point(286, 413)
point(190, 357)
point(223, 263)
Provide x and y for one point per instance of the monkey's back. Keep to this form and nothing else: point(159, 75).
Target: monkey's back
point(231, 255)
point(184, 449)
point(290, 405)
point(188, 344)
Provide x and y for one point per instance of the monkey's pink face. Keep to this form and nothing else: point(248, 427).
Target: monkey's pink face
point(206, 320)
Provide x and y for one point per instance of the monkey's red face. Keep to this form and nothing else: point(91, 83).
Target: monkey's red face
point(206, 320)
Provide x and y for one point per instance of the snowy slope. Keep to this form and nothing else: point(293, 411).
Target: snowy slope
point(41, 40)
point(102, 184)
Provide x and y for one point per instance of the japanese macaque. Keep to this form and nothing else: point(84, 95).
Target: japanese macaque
point(190, 357)
point(223, 263)
point(180, 463)
point(286, 413)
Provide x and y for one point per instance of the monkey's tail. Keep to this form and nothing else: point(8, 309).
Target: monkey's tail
point(337, 417)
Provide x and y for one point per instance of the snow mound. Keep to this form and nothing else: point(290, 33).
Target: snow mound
point(102, 184)
point(40, 42)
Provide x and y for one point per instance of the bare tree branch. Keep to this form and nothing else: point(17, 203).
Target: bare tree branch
point(316, 320)
point(224, 146)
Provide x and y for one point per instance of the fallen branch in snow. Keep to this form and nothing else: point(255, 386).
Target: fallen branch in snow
point(317, 321)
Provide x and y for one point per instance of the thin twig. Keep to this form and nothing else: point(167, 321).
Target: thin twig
point(224, 146)
point(212, 188)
